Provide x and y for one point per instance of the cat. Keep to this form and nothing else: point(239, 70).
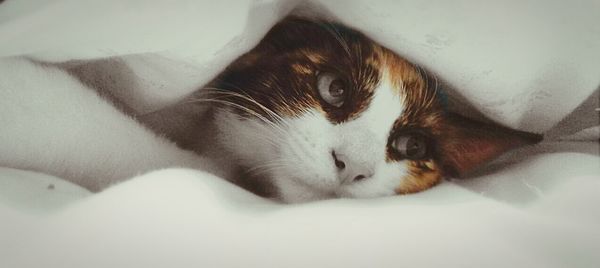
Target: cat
point(318, 110)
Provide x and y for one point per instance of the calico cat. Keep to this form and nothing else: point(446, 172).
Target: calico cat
point(318, 110)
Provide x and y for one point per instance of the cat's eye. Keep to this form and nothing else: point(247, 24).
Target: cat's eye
point(412, 146)
point(332, 89)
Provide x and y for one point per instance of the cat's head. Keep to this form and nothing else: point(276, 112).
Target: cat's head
point(324, 111)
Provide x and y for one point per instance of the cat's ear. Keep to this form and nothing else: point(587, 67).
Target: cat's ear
point(465, 144)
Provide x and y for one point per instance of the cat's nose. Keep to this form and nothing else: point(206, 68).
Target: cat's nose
point(350, 171)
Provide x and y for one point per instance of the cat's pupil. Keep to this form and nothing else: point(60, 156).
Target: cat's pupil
point(411, 146)
point(336, 89)
point(414, 146)
point(332, 89)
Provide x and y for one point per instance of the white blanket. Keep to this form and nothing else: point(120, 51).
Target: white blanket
point(531, 65)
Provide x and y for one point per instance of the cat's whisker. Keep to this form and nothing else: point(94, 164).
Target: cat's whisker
point(329, 27)
point(275, 116)
point(268, 122)
point(279, 133)
point(300, 151)
point(245, 109)
point(210, 90)
point(268, 165)
point(267, 171)
point(253, 101)
point(222, 92)
point(429, 98)
point(271, 139)
point(435, 89)
point(360, 68)
point(247, 97)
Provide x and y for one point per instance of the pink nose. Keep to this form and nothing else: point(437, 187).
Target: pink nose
point(350, 171)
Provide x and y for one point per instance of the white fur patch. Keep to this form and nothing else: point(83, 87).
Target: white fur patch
point(365, 140)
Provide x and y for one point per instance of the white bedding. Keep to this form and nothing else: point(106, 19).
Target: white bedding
point(531, 65)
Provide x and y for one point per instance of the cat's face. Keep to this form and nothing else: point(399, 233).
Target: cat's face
point(325, 112)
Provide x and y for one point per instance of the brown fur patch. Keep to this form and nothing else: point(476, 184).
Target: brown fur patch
point(465, 144)
point(280, 73)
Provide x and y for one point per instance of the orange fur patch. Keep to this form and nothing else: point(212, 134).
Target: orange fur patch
point(422, 175)
point(313, 57)
point(402, 73)
point(301, 69)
